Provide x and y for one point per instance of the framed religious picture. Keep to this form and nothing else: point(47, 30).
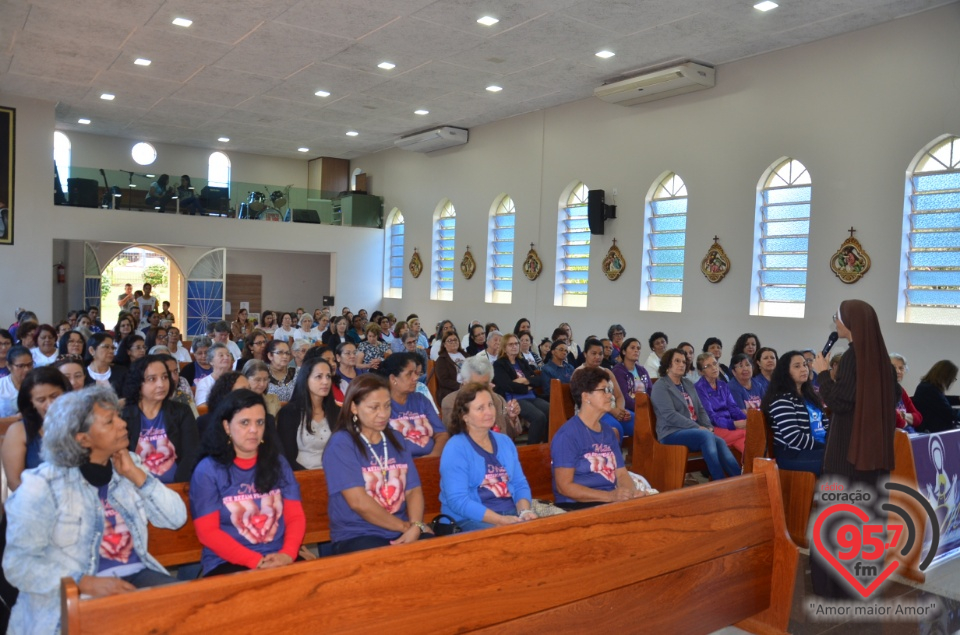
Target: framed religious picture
point(716, 264)
point(468, 265)
point(7, 145)
point(613, 263)
point(850, 262)
point(416, 265)
point(532, 265)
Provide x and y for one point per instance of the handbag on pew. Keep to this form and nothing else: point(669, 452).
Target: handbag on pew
point(443, 525)
point(545, 508)
point(642, 484)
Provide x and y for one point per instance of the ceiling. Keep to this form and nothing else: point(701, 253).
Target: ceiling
point(248, 69)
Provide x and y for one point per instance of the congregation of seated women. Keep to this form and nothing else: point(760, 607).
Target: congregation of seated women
point(238, 411)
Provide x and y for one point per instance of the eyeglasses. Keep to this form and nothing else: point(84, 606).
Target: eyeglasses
point(608, 389)
point(283, 353)
point(23, 366)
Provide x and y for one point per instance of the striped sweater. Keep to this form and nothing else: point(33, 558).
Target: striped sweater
point(791, 423)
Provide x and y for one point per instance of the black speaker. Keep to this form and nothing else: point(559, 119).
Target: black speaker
point(328, 300)
point(83, 192)
point(598, 211)
point(306, 216)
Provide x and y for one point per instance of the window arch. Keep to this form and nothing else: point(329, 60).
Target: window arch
point(62, 152)
point(218, 170)
point(782, 236)
point(393, 276)
point(573, 249)
point(500, 239)
point(665, 218)
point(444, 237)
point(930, 262)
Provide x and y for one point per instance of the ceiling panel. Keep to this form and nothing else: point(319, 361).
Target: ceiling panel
point(248, 69)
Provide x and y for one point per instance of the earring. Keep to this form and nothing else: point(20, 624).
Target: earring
point(354, 418)
point(261, 441)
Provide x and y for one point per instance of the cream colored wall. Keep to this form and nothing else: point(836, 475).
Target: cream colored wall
point(854, 109)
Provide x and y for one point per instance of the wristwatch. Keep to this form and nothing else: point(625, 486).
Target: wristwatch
point(422, 527)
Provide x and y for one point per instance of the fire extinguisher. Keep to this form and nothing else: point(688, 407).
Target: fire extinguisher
point(61, 273)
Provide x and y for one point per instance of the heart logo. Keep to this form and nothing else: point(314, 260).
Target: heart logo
point(258, 520)
point(113, 539)
point(865, 591)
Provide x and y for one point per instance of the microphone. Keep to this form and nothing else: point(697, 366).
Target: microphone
point(830, 342)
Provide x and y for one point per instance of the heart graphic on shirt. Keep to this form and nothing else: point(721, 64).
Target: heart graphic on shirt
point(388, 492)
point(113, 539)
point(258, 520)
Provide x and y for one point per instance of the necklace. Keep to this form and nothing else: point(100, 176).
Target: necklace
point(386, 455)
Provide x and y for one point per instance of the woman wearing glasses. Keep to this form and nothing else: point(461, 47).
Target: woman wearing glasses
point(588, 466)
point(282, 375)
point(682, 420)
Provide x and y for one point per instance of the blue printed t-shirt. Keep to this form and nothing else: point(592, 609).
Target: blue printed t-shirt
point(118, 558)
point(417, 422)
point(347, 467)
point(494, 490)
point(155, 449)
point(199, 372)
point(253, 519)
point(594, 456)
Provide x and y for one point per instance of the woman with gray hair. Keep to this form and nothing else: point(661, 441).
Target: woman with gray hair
point(200, 367)
point(83, 513)
point(258, 375)
point(479, 370)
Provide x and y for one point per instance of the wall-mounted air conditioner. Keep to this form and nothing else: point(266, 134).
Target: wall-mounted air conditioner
point(435, 139)
point(659, 84)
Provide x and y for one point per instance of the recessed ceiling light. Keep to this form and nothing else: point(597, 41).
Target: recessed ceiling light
point(605, 54)
point(108, 96)
point(488, 20)
point(182, 22)
point(322, 93)
point(85, 122)
point(766, 5)
point(223, 139)
point(303, 149)
point(387, 66)
point(352, 133)
point(421, 112)
point(140, 61)
point(494, 89)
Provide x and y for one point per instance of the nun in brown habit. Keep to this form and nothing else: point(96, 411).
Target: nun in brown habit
point(862, 401)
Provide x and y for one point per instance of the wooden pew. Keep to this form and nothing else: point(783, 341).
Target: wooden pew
point(689, 561)
point(172, 548)
point(665, 466)
point(561, 405)
point(797, 488)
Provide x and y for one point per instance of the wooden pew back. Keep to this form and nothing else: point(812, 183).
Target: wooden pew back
point(178, 547)
point(663, 465)
point(561, 405)
point(689, 561)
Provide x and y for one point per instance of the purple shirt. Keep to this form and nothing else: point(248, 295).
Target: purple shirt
point(494, 491)
point(253, 519)
point(417, 422)
point(719, 404)
point(118, 558)
point(594, 456)
point(630, 381)
point(347, 467)
point(155, 448)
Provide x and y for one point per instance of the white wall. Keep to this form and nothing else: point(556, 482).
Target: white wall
point(854, 109)
point(28, 278)
point(288, 280)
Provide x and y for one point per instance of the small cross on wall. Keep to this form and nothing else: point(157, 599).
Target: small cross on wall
point(851, 230)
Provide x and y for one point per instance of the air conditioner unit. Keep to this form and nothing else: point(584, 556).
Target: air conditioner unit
point(659, 84)
point(436, 139)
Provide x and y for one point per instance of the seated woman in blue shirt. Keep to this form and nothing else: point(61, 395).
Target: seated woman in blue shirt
point(746, 393)
point(588, 466)
point(795, 412)
point(556, 367)
point(481, 482)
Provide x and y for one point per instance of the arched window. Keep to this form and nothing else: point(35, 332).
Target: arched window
point(444, 235)
point(218, 170)
point(61, 157)
point(393, 287)
point(781, 241)
point(500, 251)
point(930, 261)
point(573, 249)
point(665, 219)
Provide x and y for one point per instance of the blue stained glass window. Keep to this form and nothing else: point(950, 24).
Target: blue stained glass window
point(444, 242)
point(573, 249)
point(667, 216)
point(204, 305)
point(91, 292)
point(783, 240)
point(932, 273)
point(396, 231)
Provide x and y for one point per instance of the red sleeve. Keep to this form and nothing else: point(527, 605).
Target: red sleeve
point(908, 404)
point(295, 527)
point(220, 542)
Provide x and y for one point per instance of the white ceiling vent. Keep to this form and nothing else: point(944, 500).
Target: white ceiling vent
point(659, 84)
point(435, 139)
